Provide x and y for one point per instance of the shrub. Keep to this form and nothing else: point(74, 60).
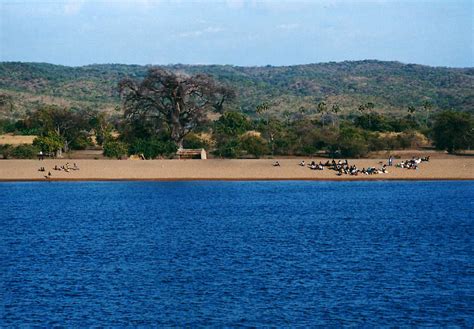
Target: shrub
point(151, 148)
point(7, 126)
point(115, 149)
point(6, 150)
point(24, 151)
point(81, 143)
point(376, 143)
point(232, 124)
point(48, 144)
point(193, 141)
point(351, 143)
point(453, 131)
point(254, 145)
point(228, 147)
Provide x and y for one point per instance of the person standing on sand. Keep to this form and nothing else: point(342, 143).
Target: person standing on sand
point(390, 160)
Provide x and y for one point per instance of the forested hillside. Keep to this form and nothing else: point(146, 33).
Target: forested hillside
point(390, 86)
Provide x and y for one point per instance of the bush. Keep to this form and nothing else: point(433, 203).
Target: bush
point(254, 145)
point(351, 143)
point(232, 124)
point(6, 150)
point(193, 141)
point(81, 143)
point(228, 147)
point(152, 148)
point(48, 144)
point(24, 151)
point(7, 126)
point(115, 149)
point(376, 143)
point(453, 131)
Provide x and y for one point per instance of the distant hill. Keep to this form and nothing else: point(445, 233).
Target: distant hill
point(391, 86)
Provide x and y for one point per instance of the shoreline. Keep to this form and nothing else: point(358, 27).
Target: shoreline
point(180, 179)
point(453, 168)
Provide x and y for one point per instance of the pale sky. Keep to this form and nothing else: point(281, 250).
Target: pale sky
point(237, 32)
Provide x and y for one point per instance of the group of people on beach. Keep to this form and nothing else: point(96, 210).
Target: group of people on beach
point(343, 168)
point(313, 165)
point(413, 163)
point(66, 168)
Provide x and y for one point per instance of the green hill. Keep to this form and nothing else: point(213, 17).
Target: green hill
point(391, 86)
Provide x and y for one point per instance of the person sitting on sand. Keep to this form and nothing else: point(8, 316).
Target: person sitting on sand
point(56, 167)
point(302, 163)
point(276, 164)
point(75, 167)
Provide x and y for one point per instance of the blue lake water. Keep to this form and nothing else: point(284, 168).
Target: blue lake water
point(291, 254)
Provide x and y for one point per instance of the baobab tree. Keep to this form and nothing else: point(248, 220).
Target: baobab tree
point(180, 101)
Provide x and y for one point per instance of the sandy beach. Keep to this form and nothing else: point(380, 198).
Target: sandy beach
point(445, 168)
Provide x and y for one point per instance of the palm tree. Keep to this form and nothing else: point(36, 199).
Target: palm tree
point(427, 106)
point(287, 115)
point(411, 112)
point(262, 108)
point(322, 109)
point(335, 109)
point(369, 106)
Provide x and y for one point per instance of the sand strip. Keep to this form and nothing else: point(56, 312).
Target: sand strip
point(454, 168)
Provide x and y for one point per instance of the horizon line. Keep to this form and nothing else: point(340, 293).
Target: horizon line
point(240, 66)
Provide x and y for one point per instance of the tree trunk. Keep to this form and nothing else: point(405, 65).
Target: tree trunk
point(176, 135)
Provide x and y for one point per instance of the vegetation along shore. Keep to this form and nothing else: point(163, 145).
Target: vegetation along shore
point(223, 112)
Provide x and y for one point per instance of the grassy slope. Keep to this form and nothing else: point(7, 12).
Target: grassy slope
point(392, 86)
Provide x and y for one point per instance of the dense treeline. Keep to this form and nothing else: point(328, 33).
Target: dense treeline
point(236, 135)
point(392, 86)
